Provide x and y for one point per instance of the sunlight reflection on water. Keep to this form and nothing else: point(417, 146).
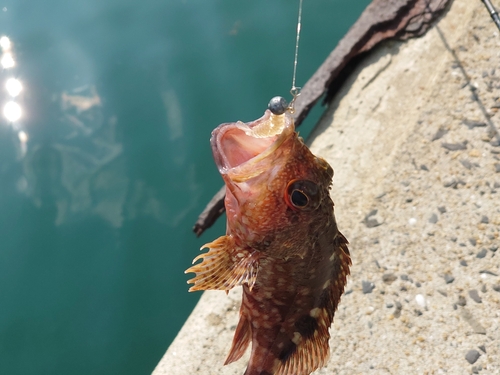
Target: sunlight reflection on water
point(12, 110)
point(13, 87)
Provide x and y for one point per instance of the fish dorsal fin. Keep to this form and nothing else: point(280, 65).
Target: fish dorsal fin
point(224, 266)
point(308, 349)
point(241, 340)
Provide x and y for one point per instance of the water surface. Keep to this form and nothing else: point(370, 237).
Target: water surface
point(108, 166)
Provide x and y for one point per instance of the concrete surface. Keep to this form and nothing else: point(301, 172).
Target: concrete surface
point(413, 139)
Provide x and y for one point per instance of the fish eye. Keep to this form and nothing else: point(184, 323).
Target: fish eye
point(302, 195)
point(299, 199)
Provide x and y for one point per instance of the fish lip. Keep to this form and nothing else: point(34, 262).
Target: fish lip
point(266, 145)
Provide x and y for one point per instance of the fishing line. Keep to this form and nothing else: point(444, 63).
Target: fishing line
point(295, 91)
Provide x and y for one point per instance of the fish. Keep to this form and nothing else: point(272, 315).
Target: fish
point(282, 244)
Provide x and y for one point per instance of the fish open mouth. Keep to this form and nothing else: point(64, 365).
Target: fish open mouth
point(240, 148)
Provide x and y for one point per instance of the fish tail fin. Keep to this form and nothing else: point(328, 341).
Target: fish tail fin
point(241, 340)
point(303, 358)
point(224, 266)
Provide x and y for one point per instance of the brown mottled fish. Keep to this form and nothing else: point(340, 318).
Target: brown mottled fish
point(282, 244)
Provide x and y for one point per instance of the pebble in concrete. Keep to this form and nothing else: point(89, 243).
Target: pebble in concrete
point(461, 301)
point(473, 124)
point(488, 272)
point(467, 164)
point(454, 146)
point(433, 219)
point(420, 299)
point(439, 134)
point(482, 253)
point(450, 182)
point(475, 325)
point(388, 278)
point(485, 219)
point(367, 286)
point(448, 278)
point(472, 356)
point(372, 220)
point(397, 310)
point(475, 296)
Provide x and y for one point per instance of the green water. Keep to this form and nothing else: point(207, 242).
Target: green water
point(106, 170)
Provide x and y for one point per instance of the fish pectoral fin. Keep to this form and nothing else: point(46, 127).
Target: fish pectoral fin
point(241, 340)
point(224, 266)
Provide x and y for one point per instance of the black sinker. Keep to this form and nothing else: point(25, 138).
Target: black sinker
point(277, 105)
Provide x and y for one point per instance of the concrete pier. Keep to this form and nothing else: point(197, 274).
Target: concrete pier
point(413, 139)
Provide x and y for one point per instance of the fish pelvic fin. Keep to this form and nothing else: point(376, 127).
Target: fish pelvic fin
point(241, 340)
point(224, 266)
